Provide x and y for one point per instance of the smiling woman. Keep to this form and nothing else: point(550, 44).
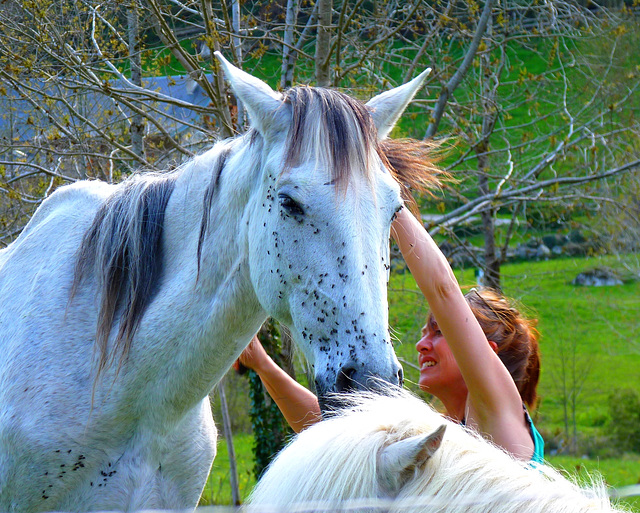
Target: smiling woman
point(477, 354)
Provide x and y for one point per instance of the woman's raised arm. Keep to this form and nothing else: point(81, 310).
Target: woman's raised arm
point(494, 406)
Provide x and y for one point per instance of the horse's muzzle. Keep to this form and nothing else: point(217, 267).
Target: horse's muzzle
point(348, 380)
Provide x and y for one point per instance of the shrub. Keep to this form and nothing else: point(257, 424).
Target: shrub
point(624, 410)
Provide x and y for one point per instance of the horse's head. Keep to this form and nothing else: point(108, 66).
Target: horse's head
point(318, 224)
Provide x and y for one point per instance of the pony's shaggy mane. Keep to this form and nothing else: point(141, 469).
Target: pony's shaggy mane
point(339, 131)
point(336, 460)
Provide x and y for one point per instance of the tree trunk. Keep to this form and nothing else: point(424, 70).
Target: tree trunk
point(135, 61)
point(237, 43)
point(288, 55)
point(491, 276)
point(228, 435)
point(323, 43)
point(490, 80)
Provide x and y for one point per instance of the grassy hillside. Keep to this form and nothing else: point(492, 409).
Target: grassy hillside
point(596, 328)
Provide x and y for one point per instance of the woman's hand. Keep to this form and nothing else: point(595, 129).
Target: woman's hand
point(254, 357)
point(298, 405)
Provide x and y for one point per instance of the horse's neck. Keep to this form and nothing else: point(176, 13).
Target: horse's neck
point(209, 306)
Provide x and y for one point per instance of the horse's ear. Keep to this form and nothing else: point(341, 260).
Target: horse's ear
point(262, 102)
point(387, 107)
point(396, 459)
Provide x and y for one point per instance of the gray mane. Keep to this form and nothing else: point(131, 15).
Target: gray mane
point(122, 251)
point(340, 126)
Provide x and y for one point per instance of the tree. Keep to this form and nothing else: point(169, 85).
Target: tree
point(570, 370)
point(546, 120)
point(536, 105)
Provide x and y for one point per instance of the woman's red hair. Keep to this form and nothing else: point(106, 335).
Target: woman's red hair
point(515, 335)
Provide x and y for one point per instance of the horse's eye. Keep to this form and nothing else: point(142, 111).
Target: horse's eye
point(395, 214)
point(290, 205)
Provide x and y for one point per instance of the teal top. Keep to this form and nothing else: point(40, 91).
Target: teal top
point(538, 441)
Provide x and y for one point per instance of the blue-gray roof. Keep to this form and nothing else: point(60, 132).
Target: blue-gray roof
point(21, 120)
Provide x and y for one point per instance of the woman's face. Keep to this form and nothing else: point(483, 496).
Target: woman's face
point(438, 367)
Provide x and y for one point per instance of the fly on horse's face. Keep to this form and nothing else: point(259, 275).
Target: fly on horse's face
point(318, 233)
point(327, 253)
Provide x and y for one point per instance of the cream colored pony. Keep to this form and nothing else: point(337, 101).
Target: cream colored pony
point(395, 453)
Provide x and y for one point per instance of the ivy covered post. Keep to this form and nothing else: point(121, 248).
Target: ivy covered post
point(270, 429)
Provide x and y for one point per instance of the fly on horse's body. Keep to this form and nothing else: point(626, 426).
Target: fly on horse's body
point(123, 305)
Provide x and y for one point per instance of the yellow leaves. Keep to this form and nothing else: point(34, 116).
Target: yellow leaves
point(10, 193)
point(441, 207)
point(474, 8)
point(522, 76)
point(54, 135)
point(620, 30)
point(259, 51)
point(163, 60)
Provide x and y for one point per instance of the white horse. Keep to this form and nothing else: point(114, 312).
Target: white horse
point(123, 305)
point(395, 453)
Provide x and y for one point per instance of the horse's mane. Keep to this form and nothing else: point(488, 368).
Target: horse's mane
point(122, 250)
point(122, 246)
point(336, 460)
point(338, 131)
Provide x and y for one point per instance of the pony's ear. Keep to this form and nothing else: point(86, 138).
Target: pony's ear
point(387, 107)
point(262, 103)
point(395, 460)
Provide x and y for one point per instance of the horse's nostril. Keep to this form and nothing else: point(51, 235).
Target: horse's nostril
point(345, 380)
point(400, 377)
